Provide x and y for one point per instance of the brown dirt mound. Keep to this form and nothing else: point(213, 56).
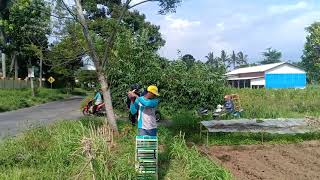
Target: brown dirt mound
point(292, 161)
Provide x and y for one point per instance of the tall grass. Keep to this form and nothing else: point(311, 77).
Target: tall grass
point(188, 163)
point(277, 103)
point(19, 98)
point(57, 152)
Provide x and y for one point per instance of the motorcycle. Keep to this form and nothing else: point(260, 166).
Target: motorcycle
point(88, 110)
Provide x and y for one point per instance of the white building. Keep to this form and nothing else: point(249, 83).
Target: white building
point(87, 63)
point(277, 75)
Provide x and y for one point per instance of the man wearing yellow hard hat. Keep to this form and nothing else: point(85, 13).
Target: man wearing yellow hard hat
point(145, 106)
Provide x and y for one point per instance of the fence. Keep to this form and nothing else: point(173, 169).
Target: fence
point(17, 84)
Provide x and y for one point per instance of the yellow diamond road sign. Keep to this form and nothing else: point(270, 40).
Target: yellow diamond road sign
point(51, 80)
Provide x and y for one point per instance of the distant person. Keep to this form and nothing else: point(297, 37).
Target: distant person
point(228, 104)
point(135, 88)
point(145, 106)
point(98, 99)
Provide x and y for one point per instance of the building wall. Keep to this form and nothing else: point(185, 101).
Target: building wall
point(258, 82)
point(285, 80)
point(285, 76)
point(286, 69)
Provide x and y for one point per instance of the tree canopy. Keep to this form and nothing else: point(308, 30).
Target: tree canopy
point(271, 56)
point(311, 53)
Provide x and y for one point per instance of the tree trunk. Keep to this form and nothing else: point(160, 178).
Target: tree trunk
point(108, 101)
point(3, 57)
point(97, 62)
point(32, 87)
point(40, 76)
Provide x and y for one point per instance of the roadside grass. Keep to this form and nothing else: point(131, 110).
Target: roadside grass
point(57, 152)
point(12, 99)
point(279, 103)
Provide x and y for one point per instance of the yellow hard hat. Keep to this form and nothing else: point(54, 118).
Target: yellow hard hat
point(154, 90)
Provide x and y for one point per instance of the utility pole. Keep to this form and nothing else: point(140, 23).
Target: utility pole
point(3, 58)
point(40, 76)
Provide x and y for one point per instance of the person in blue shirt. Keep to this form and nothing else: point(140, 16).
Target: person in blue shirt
point(145, 106)
point(98, 99)
point(228, 104)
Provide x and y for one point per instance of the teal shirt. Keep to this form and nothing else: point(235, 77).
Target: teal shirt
point(98, 98)
point(147, 109)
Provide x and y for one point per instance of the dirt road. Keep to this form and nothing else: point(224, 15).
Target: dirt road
point(284, 162)
point(14, 122)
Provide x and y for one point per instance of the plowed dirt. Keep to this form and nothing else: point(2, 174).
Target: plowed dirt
point(284, 162)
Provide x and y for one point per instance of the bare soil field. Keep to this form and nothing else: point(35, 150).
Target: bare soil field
point(283, 161)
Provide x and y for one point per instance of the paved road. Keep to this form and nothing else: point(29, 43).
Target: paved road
point(14, 122)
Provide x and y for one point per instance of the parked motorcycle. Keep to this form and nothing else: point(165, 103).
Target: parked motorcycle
point(88, 110)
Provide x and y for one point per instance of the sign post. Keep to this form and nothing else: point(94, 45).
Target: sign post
point(31, 76)
point(51, 80)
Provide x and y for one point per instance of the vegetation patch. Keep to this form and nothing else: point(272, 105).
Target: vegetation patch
point(57, 152)
point(279, 103)
point(12, 99)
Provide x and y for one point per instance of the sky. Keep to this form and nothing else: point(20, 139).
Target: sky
point(202, 26)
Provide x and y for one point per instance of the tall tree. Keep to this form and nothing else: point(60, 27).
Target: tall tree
point(242, 59)
point(105, 36)
point(26, 28)
point(225, 58)
point(189, 60)
point(4, 16)
point(271, 56)
point(233, 60)
point(311, 52)
point(215, 62)
point(211, 59)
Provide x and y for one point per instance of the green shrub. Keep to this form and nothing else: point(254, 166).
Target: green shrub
point(20, 98)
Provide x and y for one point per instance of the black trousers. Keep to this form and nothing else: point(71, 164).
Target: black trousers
point(133, 118)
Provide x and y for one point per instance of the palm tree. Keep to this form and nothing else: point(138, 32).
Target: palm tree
point(242, 59)
point(233, 60)
point(225, 59)
point(210, 58)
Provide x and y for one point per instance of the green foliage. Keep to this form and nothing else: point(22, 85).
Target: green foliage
point(180, 86)
point(271, 56)
point(257, 138)
point(187, 163)
point(310, 58)
point(189, 60)
point(26, 28)
point(281, 103)
point(224, 61)
point(85, 77)
point(15, 99)
point(65, 57)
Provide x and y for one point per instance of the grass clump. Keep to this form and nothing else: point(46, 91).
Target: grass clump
point(188, 163)
point(57, 152)
point(20, 98)
point(277, 103)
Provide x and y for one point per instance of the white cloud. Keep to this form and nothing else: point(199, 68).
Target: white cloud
point(135, 1)
point(217, 44)
point(279, 9)
point(178, 24)
point(220, 26)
